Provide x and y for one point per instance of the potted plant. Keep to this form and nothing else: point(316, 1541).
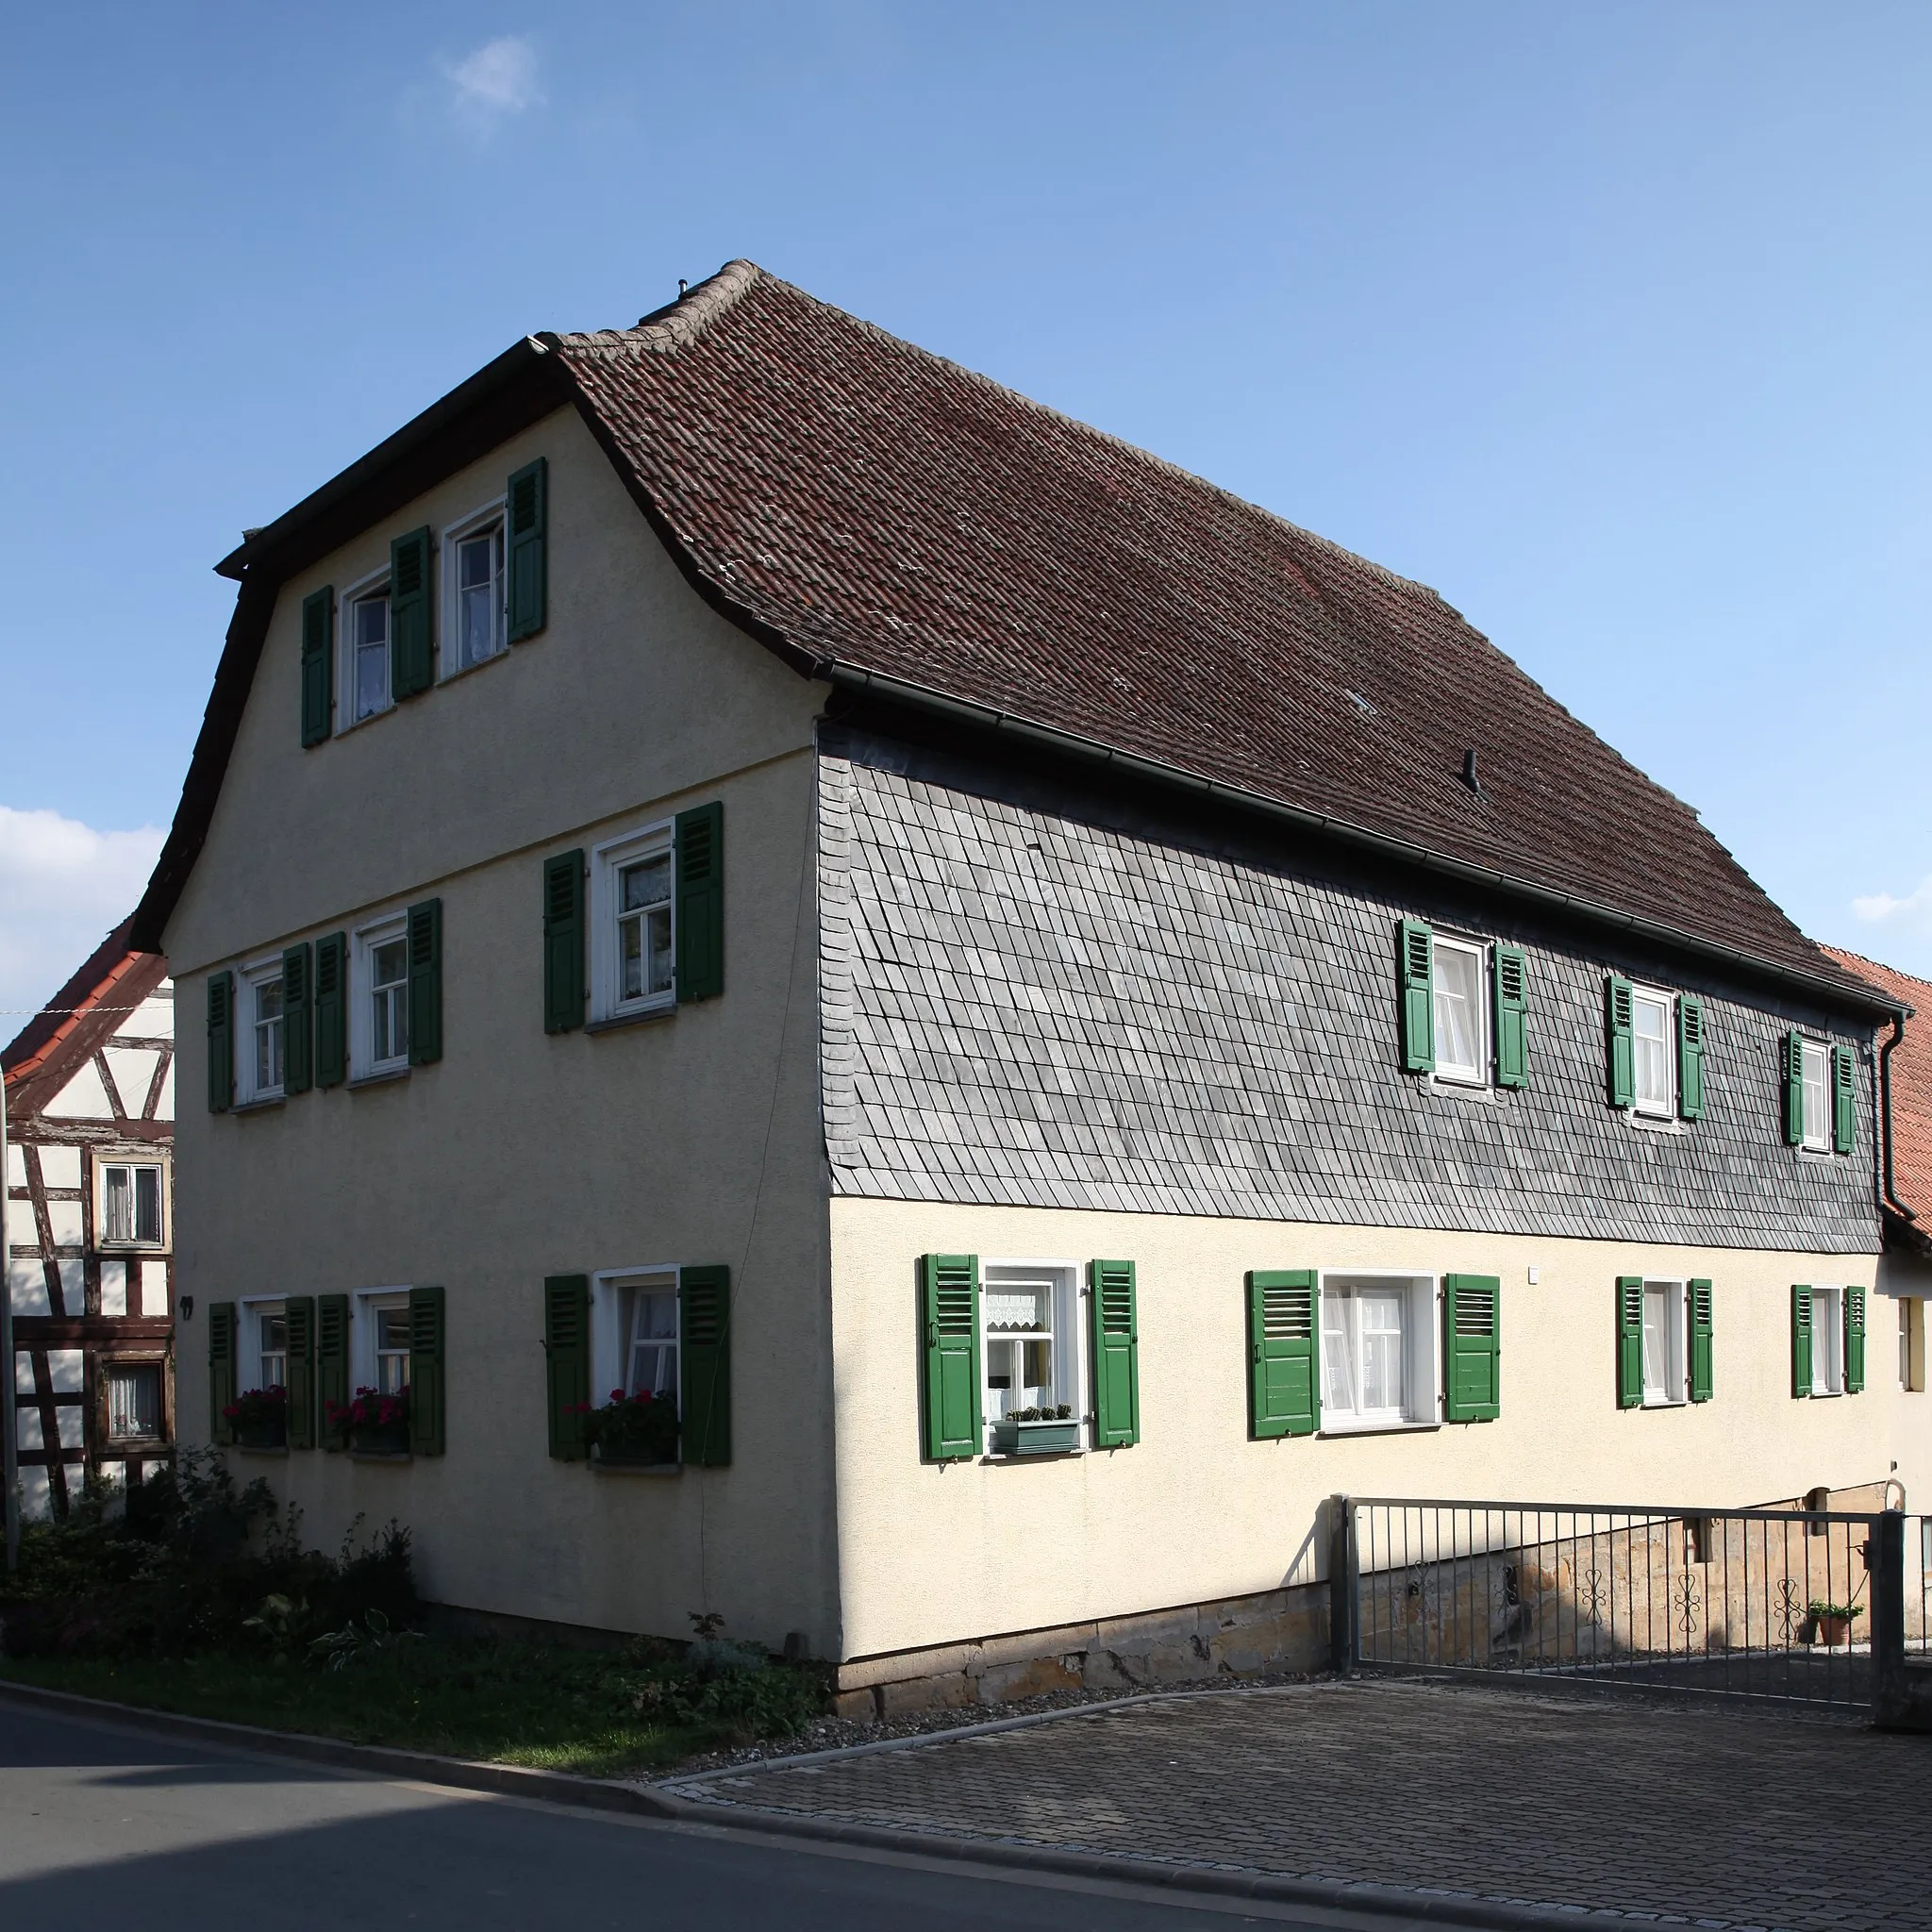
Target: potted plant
point(259, 1417)
point(1833, 1622)
point(1049, 1432)
point(375, 1424)
point(632, 1431)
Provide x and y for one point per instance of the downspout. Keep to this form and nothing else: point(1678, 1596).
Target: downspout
point(1887, 1198)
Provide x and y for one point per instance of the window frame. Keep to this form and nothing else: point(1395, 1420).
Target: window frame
point(250, 1310)
point(1665, 1109)
point(363, 941)
point(1675, 1393)
point(376, 584)
point(1818, 1139)
point(249, 980)
point(163, 1432)
point(608, 859)
point(1422, 1367)
point(1483, 951)
point(609, 1341)
point(363, 1303)
point(450, 541)
point(1828, 1339)
point(1912, 1345)
point(1071, 1371)
point(100, 1160)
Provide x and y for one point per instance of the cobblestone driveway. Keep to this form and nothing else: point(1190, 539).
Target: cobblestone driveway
point(1706, 1816)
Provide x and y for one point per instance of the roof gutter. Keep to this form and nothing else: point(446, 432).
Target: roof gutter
point(958, 711)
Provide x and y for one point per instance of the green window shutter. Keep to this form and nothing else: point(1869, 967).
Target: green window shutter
point(412, 638)
point(1701, 1334)
point(567, 1360)
point(1417, 979)
point(704, 1347)
point(317, 666)
point(1690, 1057)
point(221, 1370)
point(1629, 1341)
point(427, 1372)
point(1801, 1338)
point(331, 1357)
point(301, 1312)
point(949, 1285)
point(529, 575)
point(1620, 1041)
point(1855, 1342)
point(1794, 1089)
point(701, 903)
point(1284, 1397)
point(221, 1041)
point(1512, 1017)
point(563, 941)
point(1116, 1355)
point(1472, 1337)
point(1845, 1098)
point(426, 982)
point(332, 1010)
point(298, 1018)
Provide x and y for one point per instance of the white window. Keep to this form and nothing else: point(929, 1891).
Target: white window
point(634, 1333)
point(258, 1054)
point(379, 998)
point(1827, 1333)
point(1817, 1097)
point(380, 1346)
point(134, 1399)
point(1462, 1011)
point(632, 925)
point(1655, 1064)
point(1030, 1336)
point(1379, 1362)
point(365, 648)
point(472, 595)
point(130, 1209)
point(1911, 1344)
point(1666, 1332)
point(271, 1353)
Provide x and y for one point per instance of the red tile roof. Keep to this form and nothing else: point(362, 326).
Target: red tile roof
point(1911, 1080)
point(92, 1004)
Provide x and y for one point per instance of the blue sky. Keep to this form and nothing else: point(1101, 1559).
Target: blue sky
point(1608, 322)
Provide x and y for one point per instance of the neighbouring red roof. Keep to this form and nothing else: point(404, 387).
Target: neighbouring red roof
point(1911, 1080)
point(40, 1058)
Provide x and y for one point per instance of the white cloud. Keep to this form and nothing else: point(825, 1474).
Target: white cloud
point(63, 888)
point(496, 81)
point(1914, 909)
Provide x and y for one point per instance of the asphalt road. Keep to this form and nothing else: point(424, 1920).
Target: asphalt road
point(102, 1826)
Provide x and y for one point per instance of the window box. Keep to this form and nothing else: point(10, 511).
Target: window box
point(261, 1419)
point(380, 1439)
point(1055, 1435)
point(634, 1456)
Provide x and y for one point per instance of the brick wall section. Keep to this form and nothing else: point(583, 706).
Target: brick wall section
point(1029, 1007)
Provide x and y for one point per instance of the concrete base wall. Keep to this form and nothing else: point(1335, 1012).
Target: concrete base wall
point(1235, 1637)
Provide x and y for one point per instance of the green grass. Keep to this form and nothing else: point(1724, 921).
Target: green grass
point(578, 1711)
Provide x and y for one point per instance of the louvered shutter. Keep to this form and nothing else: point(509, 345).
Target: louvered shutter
point(411, 639)
point(1512, 1017)
point(331, 1360)
point(950, 1290)
point(426, 982)
point(317, 666)
point(221, 1041)
point(567, 1362)
point(704, 1348)
point(1855, 1342)
point(332, 1010)
point(1473, 1335)
point(221, 1370)
point(1284, 1397)
point(301, 1318)
point(1701, 1342)
point(1116, 1355)
point(1794, 1089)
point(1690, 1057)
point(1801, 1338)
point(529, 574)
point(429, 1373)
point(701, 903)
point(563, 941)
point(1845, 1098)
point(1416, 978)
point(298, 1018)
point(1630, 1342)
point(1620, 1041)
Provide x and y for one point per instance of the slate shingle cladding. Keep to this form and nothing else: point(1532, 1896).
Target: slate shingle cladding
point(1040, 1008)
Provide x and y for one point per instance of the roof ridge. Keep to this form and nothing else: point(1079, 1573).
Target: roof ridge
point(666, 330)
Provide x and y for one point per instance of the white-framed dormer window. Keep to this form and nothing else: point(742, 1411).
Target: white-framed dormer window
point(1666, 1334)
point(1827, 1336)
point(130, 1201)
point(1380, 1362)
point(475, 618)
point(1462, 1011)
point(1031, 1338)
point(262, 1044)
point(633, 924)
point(1817, 1097)
point(379, 998)
point(365, 648)
point(634, 1332)
point(1654, 1055)
point(379, 1341)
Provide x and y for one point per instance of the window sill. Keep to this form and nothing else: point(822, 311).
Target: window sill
point(1653, 1122)
point(379, 1456)
point(1466, 1090)
point(1824, 1394)
point(1823, 1155)
point(250, 1449)
point(114, 1248)
point(378, 1079)
point(496, 657)
point(1373, 1428)
point(261, 1105)
point(1665, 1401)
point(613, 1022)
point(657, 1468)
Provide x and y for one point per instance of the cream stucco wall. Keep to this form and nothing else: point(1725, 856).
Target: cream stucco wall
point(934, 1554)
point(688, 1138)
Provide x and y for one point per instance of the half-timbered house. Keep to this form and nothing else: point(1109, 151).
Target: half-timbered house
point(90, 1151)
